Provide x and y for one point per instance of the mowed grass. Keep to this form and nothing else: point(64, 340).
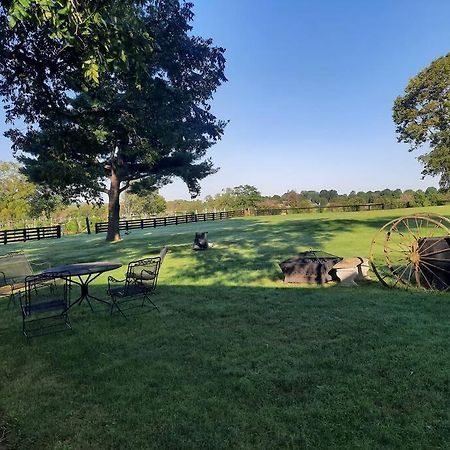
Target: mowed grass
point(235, 358)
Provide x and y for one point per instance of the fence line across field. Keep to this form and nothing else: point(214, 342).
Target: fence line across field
point(139, 224)
point(135, 224)
point(55, 232)
point(30, 234)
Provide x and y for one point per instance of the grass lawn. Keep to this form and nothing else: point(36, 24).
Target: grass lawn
point(235, 358)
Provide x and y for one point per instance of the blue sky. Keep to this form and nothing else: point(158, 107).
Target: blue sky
point(310, 91)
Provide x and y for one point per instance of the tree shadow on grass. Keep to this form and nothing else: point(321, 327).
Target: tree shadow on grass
point(245, 250)
point(251, 252)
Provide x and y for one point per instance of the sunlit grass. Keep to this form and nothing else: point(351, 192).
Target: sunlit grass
point(235, 359)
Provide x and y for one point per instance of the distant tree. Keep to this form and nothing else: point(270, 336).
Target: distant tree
point(328, 195)
point(422, 117)
point(143, 205)
point(245, 196)
point(16, 194)
point(292, 199)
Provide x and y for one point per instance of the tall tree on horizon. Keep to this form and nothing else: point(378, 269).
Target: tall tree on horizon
point(422, 117)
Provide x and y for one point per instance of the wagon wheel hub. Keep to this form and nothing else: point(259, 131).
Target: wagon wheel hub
point(414, 256)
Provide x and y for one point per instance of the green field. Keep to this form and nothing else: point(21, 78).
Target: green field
point(235, 358)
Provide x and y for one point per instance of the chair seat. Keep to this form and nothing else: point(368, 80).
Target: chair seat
point(132, 289)
point(9, 288)
point(54, 305)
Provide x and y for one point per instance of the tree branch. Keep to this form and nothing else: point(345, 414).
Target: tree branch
point(125, 187)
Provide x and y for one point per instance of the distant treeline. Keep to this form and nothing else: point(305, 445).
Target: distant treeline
point(249, 197)
point(22, 204)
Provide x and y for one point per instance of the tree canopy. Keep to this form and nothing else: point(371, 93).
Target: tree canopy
point(134, 128)
point(95, 29)
point(422, 117)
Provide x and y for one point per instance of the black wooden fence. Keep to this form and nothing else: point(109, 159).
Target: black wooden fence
point(30, 234)
point(134, 224)
point(347, 208)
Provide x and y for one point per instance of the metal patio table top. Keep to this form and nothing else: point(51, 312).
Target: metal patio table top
point(83, 274)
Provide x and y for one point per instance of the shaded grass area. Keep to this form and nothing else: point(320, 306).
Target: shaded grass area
point(235, 359)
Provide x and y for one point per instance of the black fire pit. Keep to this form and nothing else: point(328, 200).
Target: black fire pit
point(309, 267)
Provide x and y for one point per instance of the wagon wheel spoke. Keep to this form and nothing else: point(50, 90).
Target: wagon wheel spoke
point(433, 244)
point(405, 221)
point(400, 277)
point(430, 258)
point(424, 276)
point(444, 283)
point(410, 273)
point(425, 255)
point(434, 266)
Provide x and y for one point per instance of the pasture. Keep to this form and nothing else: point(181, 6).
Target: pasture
point(235, 358)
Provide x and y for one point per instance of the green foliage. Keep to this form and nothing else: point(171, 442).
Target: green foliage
point(136, 127)
point(239, 197)
point(422, 117)
point(16, 195)
point(106, 33)
point(148, 204)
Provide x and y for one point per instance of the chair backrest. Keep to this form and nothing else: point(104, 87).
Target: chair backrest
point(47, 289)
point(144, 272)
point(15, 265)
point(162, 254)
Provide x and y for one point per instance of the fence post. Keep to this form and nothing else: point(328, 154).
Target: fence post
point(165, 221)
point(58, 231)
point(142, 224)
point(88, 225)
point(38, 233)
point(176, 220)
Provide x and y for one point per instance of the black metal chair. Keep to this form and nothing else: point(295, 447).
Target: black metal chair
point(14, 268)
point(140, 282)
point(45, 303)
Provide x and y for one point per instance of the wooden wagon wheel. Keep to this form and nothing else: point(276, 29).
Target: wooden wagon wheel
point(413, 251)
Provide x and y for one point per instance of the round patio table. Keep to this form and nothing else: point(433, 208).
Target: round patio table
point(83, 274)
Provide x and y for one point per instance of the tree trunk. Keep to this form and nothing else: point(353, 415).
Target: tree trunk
point(113, 234)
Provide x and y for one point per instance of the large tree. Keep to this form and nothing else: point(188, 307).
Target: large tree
point(143, 123)
point(422, 117)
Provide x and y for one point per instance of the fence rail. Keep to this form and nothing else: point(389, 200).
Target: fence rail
point(281, 211)
point(139, 224)
point(30, 234)
point(135, 224)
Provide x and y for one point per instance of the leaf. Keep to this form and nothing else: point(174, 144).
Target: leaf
point(12, 21)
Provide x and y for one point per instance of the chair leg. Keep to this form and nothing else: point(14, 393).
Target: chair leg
point(116, 304)
point(148, 298)
point(12, 300)
point(67, 322)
